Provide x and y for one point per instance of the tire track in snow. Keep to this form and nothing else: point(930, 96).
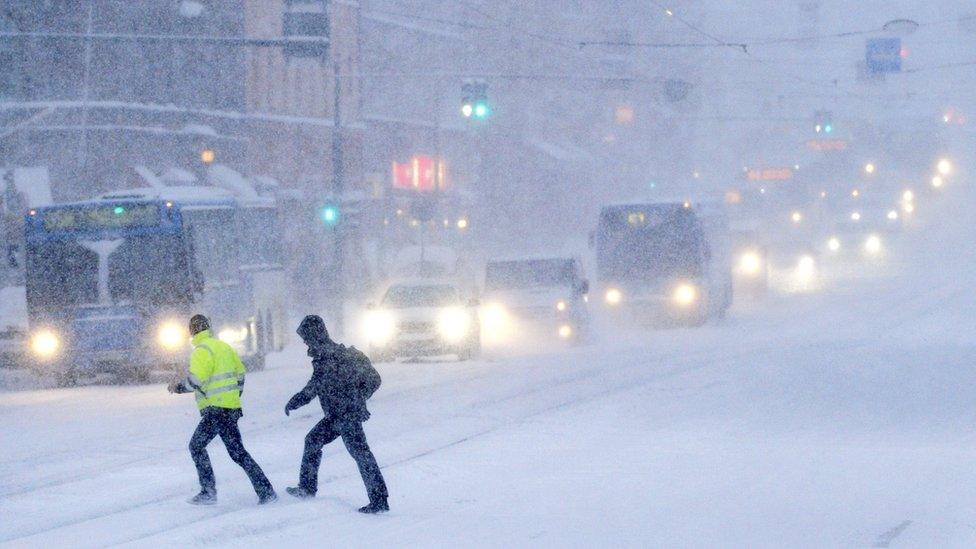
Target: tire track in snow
point(562, 381)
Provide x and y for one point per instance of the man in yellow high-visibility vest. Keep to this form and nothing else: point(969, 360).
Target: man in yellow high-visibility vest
point(217, 379)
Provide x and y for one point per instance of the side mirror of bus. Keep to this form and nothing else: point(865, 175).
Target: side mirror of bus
point(584, 287)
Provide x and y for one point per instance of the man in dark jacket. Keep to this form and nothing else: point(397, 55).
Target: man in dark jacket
point(342, 379)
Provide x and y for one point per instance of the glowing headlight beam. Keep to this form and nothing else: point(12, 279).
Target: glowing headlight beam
point(685, 294)
point(45, 344)
point(613, 296)
point(833, 244)
point(454, 324)
point(750, 263)
point(872, 245)
point(172, 336)
point(233, 336)
point(379, 327)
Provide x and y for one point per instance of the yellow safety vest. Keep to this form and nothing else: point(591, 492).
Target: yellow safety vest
point(216, 373)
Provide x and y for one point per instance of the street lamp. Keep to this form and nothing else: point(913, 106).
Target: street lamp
point(207, 156)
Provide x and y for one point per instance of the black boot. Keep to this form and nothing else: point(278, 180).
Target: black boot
point(205, 497)
point(299, 492)
point(377, 506)
point(267, 498)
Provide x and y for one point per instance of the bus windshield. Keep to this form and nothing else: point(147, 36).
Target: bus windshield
point(537, 273)
point(649, 242)
point(142, 269)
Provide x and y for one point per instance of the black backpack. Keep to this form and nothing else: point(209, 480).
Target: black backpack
point(366, 377)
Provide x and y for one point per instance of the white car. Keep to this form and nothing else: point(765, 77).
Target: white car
point(423, 318)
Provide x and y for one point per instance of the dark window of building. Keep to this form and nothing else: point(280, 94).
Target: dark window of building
point(306, 22)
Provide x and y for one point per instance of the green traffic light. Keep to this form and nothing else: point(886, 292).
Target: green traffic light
point(330, 215)
point(481, 109)
point(118, 210)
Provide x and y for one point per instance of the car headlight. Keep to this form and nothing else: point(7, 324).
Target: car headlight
point(45, 344)
point(833, 244)
point(613, 296)
point(495, 318)
point(172, 336)
point(454, 324)
point(561, 306)
point(806, 269)
point(872, 245)
point(565, 331)
point(233, 336)
point(685, 294)
point(750, 263)
point(380, 327)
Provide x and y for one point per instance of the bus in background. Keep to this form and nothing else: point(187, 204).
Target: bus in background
point(666, 261)
point(112, 281)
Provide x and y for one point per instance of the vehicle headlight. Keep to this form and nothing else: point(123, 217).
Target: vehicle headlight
point(685, 294)
point(833, 244)
point(872, 245)
point(233, 336)
point(613, 296)
point(172, 336)
point(750, 263)
point(45, 344)
point(454, 324)
point(495, 318)
point(806, 269)
point(565, 331)
point(561, 306)
point(380, 327)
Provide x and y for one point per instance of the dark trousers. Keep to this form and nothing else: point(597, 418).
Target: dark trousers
point(354, 438)
point(223, 422)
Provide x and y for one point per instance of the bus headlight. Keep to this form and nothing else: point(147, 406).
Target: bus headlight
point(872, 245)
point(561, 306)
point(565, 331)
point(45, 344)
point(685, 294)
point(750, 263)
point(613, 296)
point(380, 327)
point(833, 244)
point(171, 336)
point(233, 336)
point(453, 324)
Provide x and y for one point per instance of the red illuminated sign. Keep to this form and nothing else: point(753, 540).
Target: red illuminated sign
point(769, 174)
point(827, 144)
point(421, 174)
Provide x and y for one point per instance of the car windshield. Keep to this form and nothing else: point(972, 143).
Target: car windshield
point(401, 297)
point(540, 273)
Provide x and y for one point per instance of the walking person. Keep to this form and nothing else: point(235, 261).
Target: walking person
point(216, 377)
point(342, 379)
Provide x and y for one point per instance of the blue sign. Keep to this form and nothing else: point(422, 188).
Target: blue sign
point(883, 55)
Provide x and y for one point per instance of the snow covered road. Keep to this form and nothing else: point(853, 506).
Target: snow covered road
point(828, 420)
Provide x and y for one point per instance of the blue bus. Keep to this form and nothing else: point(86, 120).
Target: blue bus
point(111, 282)
point(669, 262)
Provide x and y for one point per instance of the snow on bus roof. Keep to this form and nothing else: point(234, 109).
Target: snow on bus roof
point(187, 196)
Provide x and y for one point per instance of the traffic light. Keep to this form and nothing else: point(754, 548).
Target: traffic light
point(823, 122)
point(330, 214)
point(474, 99)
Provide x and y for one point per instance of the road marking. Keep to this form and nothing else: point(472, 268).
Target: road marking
point(885, 539)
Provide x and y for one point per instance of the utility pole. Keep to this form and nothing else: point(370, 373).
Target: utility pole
point(338, 189)
point(85, 85)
